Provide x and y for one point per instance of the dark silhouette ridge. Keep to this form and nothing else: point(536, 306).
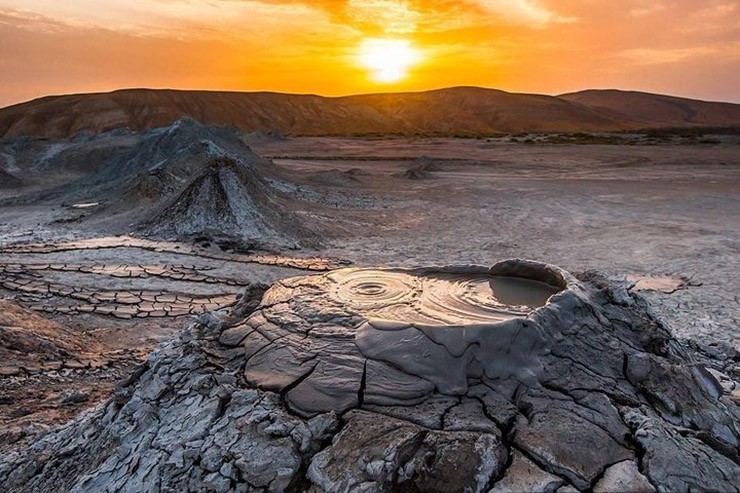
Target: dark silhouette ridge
point(451, 111)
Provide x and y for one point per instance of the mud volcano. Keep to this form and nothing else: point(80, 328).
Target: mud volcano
point(518, 377)
point(228, 195)
point(440, 327)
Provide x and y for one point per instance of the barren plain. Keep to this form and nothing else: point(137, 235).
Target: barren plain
point(120, 269)
point(633, 210)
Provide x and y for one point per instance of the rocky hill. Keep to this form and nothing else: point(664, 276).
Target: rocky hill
point(459, 110)
point(655, 110)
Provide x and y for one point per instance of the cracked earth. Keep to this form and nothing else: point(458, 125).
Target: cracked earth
point(287, 391)
point(290, 372)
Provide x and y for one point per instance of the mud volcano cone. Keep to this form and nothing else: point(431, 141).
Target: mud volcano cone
point(415, 173)
point(518, 377)
point(229, 198)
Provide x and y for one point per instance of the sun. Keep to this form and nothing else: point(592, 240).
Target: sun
point(388, 60)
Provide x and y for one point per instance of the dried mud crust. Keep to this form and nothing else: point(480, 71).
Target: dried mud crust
point(311, 264)
point(277, 394)
point(119, 303)
point(27, 279)
point(49, 372)
point(97, 317)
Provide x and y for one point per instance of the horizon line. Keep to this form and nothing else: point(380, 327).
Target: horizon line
point(380, 93)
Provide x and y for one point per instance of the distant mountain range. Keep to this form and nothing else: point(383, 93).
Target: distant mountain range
point(458, 110)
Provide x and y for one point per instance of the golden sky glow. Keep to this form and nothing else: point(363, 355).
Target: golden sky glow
point(388, 60)
point(335, 47)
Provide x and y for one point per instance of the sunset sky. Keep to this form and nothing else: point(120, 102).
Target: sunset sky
point(335, 47)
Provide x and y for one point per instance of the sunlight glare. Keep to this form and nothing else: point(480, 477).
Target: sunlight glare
point(388, 60)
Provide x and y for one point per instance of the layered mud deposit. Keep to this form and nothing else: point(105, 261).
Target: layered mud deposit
point(27, 279)
point(122, 241)
point(515, 378)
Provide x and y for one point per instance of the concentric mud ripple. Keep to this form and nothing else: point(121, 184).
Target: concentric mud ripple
point(374, 291)
point(439, 298)
point(453, 298)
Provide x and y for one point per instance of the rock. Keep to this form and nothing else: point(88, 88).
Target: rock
point(717, 349)
point(469, 416)
point(448, 462)
point(727, 383)
point(388, 451)
point(665, 383)
point(524, 475)
point(623, 476)
point(430, 413)
point(677, 461)
point(735, 396)
point(367, 450)
point(74, 397)
point(572, 446)
point(567, 489)
point(406, 380)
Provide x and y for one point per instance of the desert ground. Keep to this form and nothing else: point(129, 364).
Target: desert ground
point(657, 211)
point(87, 293)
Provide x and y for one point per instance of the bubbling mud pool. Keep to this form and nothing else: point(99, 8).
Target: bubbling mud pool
point(448, 324)
point(439, 298)
point(404, 332)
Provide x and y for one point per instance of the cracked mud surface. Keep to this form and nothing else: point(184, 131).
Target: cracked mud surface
point(41, 287)
point(99, 311)
point(610, 402)
point(279, 392)
point(103, 243)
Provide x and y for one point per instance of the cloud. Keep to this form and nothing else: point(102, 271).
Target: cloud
point(718, 10)
point(29, 22)
point(528, 12)
point(176, 18)
point(407, 16)
point(395, 17)
point(235, 18)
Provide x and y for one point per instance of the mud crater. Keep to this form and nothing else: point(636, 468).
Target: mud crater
point(442, 298)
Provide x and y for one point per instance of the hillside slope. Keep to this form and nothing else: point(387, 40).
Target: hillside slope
point(447, 111)
point(655, 110)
